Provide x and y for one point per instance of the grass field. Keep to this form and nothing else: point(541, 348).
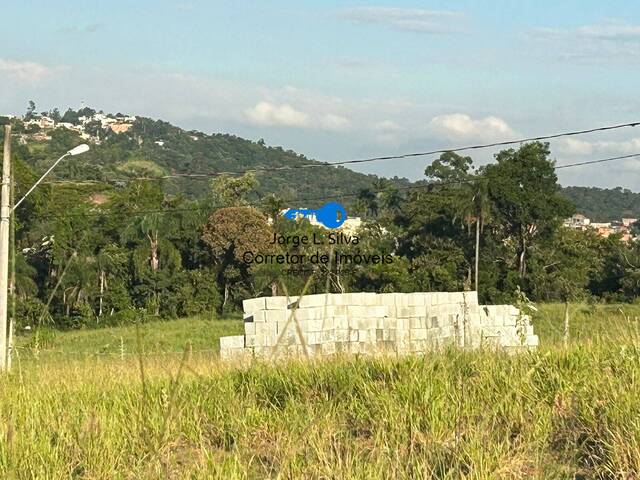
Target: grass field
point(85, 405)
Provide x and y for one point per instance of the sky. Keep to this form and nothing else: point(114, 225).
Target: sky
point(342, 80)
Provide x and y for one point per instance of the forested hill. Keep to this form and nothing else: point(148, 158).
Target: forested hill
point(124, 147)
point(604, 204)
point(154, 148)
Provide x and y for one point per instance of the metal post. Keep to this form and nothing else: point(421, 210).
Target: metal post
point(5, 213)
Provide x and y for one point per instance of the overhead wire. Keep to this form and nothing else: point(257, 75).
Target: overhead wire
point(429, 185)
point(206, 175)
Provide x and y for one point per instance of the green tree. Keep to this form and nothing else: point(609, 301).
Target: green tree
point(230, 232)
point(528, 206)
point(233, 192)
point(31, 109)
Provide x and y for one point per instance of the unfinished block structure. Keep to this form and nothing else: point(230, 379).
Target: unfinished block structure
point(370, 323)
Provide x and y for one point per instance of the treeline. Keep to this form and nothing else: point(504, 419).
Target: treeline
point(97, 253)
point(604, 204)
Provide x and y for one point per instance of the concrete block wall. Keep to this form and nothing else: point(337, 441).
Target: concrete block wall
point(370, 323)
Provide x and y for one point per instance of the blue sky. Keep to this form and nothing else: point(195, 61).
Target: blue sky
point(341, 80)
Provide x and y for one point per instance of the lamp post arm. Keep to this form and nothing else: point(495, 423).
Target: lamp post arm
point(39, 180)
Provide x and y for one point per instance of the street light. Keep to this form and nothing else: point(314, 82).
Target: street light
point(5, 214)
point(74, 151)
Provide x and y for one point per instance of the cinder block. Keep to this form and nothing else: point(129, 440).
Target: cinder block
point(455, 297)
point(276, 303)
point(340, 299)
point(418, 322)
point(387, 299)
point(389, 335)
point(249, 328)
point(368, 298)
point(250, 340)
point(509, 320)
point(470, 298)
point(375, 311)
point(235, 341)
point(367, 323)
point(508, 339)
point(288, 338)
point(532, 341)
point(353, 335)
point(328, 323)
point(328, 348)
point(318, 300)
point(401, 300)
point(355, 299)
point(259, 316)
point(334, 310)
point(314, 325)
point(418, 334)
point(341, 322)
point(341, 335)
point(274, 316)
point(310, 313)
point(251, 305)
point(408, 312)
point(328, 336)
point(434, 322)
point(415, 299)
point(401, 335)
point(356, 311)
point(285, 327)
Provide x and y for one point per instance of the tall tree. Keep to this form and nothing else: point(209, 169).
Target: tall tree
point(524, 189)
point(230, 232)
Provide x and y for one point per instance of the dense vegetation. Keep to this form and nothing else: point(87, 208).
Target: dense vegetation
point(555, 413)
point(604, 204)
point(97, 245)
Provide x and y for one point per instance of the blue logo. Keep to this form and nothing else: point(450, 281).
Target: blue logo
point(331, 215)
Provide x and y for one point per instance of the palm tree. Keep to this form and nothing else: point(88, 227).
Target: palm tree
point(482, 212)
point(151, 233)
point(368, 201)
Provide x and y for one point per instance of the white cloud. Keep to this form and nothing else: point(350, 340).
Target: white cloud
point(606, 41)
point(460, 126)
point(408, 19)
point(576, 147)
point(331, 121)
point(387, 126)
point(25, 70)
point(270, 114)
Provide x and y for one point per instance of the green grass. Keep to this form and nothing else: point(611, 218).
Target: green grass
point(588, 323)
point(154, 337)
point(553, 413)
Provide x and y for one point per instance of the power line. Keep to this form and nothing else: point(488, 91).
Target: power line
point(207, 175)
point(602, 160)
point(431, 185)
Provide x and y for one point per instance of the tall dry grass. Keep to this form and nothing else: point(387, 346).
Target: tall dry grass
point(554, 413)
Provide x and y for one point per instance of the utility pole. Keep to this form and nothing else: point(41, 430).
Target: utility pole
point(5, 214)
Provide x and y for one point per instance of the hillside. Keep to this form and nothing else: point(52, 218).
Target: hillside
point(125, 146)
point(137, 146)
point(604, 204)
